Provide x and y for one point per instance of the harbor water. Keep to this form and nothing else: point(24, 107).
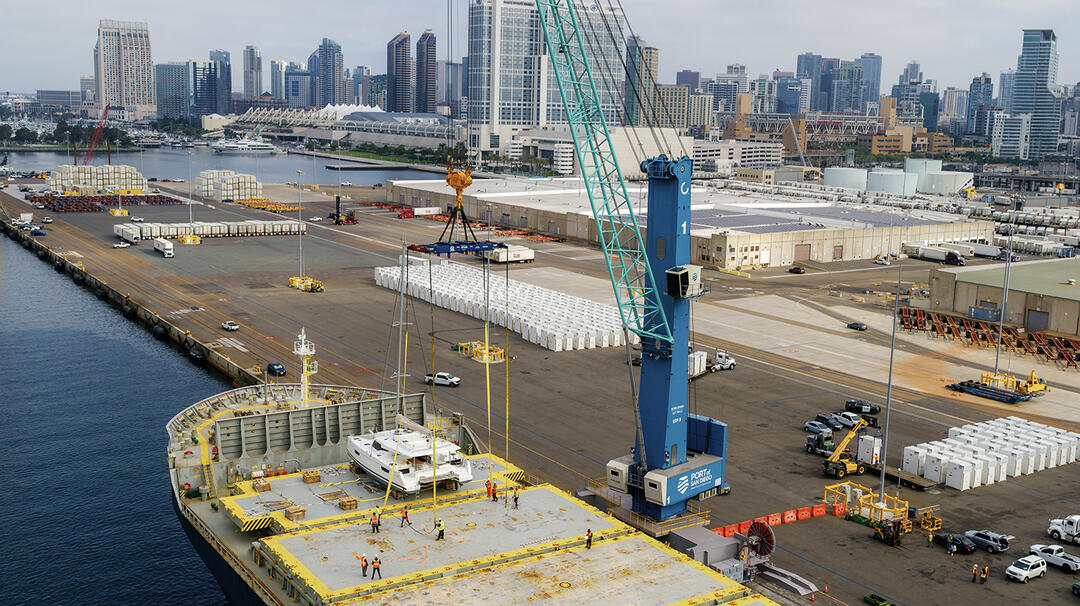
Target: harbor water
point(173, 163)
point(86, 513)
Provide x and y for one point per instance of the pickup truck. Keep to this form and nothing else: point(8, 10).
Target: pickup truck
point(1055, 555)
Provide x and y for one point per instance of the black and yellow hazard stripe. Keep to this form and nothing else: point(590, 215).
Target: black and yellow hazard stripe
point(257, 524)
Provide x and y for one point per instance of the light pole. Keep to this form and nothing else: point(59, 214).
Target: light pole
point(489, 220)
point(299, 221)
point(191, 218)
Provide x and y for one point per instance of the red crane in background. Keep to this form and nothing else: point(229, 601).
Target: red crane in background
point(89, 154)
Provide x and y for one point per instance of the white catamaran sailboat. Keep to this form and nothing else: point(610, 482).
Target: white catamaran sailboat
point(374, 453)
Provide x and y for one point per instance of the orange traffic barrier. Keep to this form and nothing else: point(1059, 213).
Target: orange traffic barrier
point(763, 520)
point(775, 519)
point(803, 513)
point(790, 516)
point(839, 509)
point(730, 530)
point(745, 526)
point(817, 510)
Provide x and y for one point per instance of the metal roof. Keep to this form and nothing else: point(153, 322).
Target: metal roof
point(1043, 277)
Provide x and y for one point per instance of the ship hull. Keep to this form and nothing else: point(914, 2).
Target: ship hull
point(236, 590)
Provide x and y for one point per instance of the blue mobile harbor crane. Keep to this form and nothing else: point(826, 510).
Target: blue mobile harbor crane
point(678, 456)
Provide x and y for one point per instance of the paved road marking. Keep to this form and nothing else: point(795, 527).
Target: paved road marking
point(233, 343)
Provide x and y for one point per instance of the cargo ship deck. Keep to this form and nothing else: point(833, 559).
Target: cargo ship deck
point(268, 493)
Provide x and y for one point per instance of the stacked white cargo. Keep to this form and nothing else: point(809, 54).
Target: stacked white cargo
point(985, 453)
point(204, 186)
point(91, 179)
point(236, 187)
point(551, 319)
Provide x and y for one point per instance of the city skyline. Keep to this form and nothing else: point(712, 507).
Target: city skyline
point(768, 40)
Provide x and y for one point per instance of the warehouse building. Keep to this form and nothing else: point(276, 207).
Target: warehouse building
point(734, 225)
point(1043, 295)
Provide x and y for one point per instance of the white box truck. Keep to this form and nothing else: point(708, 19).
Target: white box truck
point(164, 247)
point(512, 254)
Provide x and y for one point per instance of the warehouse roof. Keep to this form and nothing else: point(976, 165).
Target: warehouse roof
point(1044, 277)
point(714, 210)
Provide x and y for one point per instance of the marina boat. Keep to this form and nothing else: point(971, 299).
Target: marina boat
point(374, 453)
point(243, 146)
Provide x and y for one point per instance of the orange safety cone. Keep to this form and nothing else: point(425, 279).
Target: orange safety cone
point(826, 590)
point(811, 597)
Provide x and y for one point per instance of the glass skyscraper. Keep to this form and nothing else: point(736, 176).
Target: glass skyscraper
point(1035, 91)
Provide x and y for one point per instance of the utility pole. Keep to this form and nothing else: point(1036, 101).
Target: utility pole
point(299, 221)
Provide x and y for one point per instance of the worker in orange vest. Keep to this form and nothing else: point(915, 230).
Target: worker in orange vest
point(363, 564)
point(376, 564)
point(974, 572)
point(985, 573)
point(494, 491)
point(405, 516)
point(374, 523)
point(588, 539)
point(488, 484)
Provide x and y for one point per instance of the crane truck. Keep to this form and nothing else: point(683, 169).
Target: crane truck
point(840, 463)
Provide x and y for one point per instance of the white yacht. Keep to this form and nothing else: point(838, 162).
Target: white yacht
point(243, 146)
point(374, 453)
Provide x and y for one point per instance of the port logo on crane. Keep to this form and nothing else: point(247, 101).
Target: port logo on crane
point(684, 483)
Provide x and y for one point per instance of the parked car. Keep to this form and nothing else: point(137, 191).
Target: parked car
point(861, 406)
point(856, 326)
point(1076, 589)
point(829, 419)
point(1026, 568)
point(442, 378)
point(346, 183)
point(1057, 556)
point(315, 219)
point(37, 232)
point(848, 419)
point(46, 219)
point(817, 427)
point(39, 205)
point(989, 540)
point(963, 544)
point(121, 245)
point(797, 270)
point(882, 261)
point(276, 368)
point(137, 219)
point(230, 326)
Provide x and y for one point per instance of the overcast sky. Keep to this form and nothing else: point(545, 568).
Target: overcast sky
point(48, 46)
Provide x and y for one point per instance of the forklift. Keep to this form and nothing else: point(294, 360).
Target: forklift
point(338, 218)
point(840, 463)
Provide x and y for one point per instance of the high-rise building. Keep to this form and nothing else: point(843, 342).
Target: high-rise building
point(912, 73)
point(202, 90)
point(830, 67)
point(252, 72)
point(1035, 91)
point(930, 103)
point(87, 88)
point(1010, 136)
point(871, 77)
point(763, 93)
point(399, 74)
point(170, 79)
point(789, 94)
point(723, 93)
point(511, 83)
point(806, 92)
point(985, 115)
point(277, 79)
point(329, 74)
point(954, 104)
point(378, 93)
point(298, 87)
point(642, 71)
point(808, 65)
point(981, 92)
point(672, 106)
point(1006, 82)
point(425, 73)
point(448, 86)
point(123, 67)
point(699, 110)
point(689, 79)
point(224, 88)
point(847, 88)
point(361, 75)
